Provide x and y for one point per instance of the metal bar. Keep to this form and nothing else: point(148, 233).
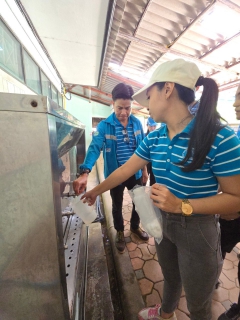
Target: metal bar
point(108, 27)
point(70, 87)
point(220, 45)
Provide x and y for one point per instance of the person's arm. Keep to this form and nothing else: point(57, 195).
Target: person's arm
point(79, 185)
point(120, 175)
point(225, 203)
point(144, 169)
point(144, 175)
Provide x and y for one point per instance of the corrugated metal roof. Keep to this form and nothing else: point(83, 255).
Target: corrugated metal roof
point(146, 33)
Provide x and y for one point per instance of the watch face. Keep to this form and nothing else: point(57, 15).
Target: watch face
point(187, 209)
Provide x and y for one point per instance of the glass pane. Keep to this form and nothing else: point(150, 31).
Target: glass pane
point(54, 94)
point(46, 86)
point(31, 73)
point(10, 53)
point(60, 101)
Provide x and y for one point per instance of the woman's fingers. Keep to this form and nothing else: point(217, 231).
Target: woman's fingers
point(89, 198)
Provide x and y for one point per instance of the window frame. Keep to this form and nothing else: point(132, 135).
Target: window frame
point(23, 81)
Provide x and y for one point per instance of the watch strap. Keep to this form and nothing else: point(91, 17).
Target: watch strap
point(84, 170)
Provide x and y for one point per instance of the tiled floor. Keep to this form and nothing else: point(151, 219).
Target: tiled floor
point(148, 272)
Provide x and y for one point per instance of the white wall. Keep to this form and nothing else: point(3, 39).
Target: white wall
point(81, 109)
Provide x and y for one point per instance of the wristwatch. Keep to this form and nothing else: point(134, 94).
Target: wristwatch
point(187, 209)
point(84, 170)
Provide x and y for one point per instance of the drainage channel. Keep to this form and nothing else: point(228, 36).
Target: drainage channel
point(115, 295)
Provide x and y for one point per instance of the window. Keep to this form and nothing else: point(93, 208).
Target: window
point(32, 75)
point(46, 86)
point(54, 94)
point(16, 61)
point(10, 53)
point(60, 101)
point(95, 121)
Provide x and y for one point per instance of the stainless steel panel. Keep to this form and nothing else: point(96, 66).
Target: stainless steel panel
point(30, 286)
point(33, 282)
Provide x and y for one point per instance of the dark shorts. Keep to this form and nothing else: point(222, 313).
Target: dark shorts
point(230, 234)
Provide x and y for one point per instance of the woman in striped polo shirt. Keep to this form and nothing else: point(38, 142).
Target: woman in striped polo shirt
point(190, 157)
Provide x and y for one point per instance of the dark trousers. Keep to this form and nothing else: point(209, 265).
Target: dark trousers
point(117, 201)
point(230, 236)
point(190, 256)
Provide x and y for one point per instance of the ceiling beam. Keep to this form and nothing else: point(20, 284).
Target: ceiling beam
point(229, 85)
point(220, 45)
point(139, 22)
point(100, 92)
point(230, 5)
point(68, 89)
point(96, 99)
point(175, 52)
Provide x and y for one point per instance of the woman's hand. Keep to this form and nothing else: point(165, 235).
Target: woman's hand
point(165, 199)
point(89, 197)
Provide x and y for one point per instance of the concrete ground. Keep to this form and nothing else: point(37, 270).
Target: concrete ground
point(140, 276)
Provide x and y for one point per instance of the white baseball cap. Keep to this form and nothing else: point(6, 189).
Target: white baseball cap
point(178, 71)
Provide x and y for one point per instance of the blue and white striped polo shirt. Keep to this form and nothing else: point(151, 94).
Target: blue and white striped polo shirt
point(126, 142)
point(222, 160)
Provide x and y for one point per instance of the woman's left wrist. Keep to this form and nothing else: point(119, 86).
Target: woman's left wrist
point(179, 206)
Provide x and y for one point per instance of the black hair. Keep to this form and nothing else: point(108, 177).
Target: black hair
point(185, 94)
point(207, 122)
point(122, 91)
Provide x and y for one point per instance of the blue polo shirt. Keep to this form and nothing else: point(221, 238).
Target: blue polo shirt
point(223, 159)
point(126, 143)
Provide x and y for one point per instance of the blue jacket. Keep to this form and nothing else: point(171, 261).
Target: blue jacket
point(104, 138)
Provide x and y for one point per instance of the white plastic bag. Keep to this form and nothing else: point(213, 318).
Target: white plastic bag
point(149, 214)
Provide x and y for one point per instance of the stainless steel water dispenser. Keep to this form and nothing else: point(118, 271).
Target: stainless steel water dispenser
point(42, 248)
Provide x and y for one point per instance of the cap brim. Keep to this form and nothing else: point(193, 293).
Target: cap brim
point(141, 95)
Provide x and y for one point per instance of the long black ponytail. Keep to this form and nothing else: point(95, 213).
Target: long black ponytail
point(207, 124)
point(207, 121)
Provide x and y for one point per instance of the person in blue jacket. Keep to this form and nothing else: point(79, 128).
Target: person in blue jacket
point(118, 136)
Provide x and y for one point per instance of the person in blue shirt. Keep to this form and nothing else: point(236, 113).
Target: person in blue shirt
point(118, 136)
point(191, 156)
point(230, 235)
